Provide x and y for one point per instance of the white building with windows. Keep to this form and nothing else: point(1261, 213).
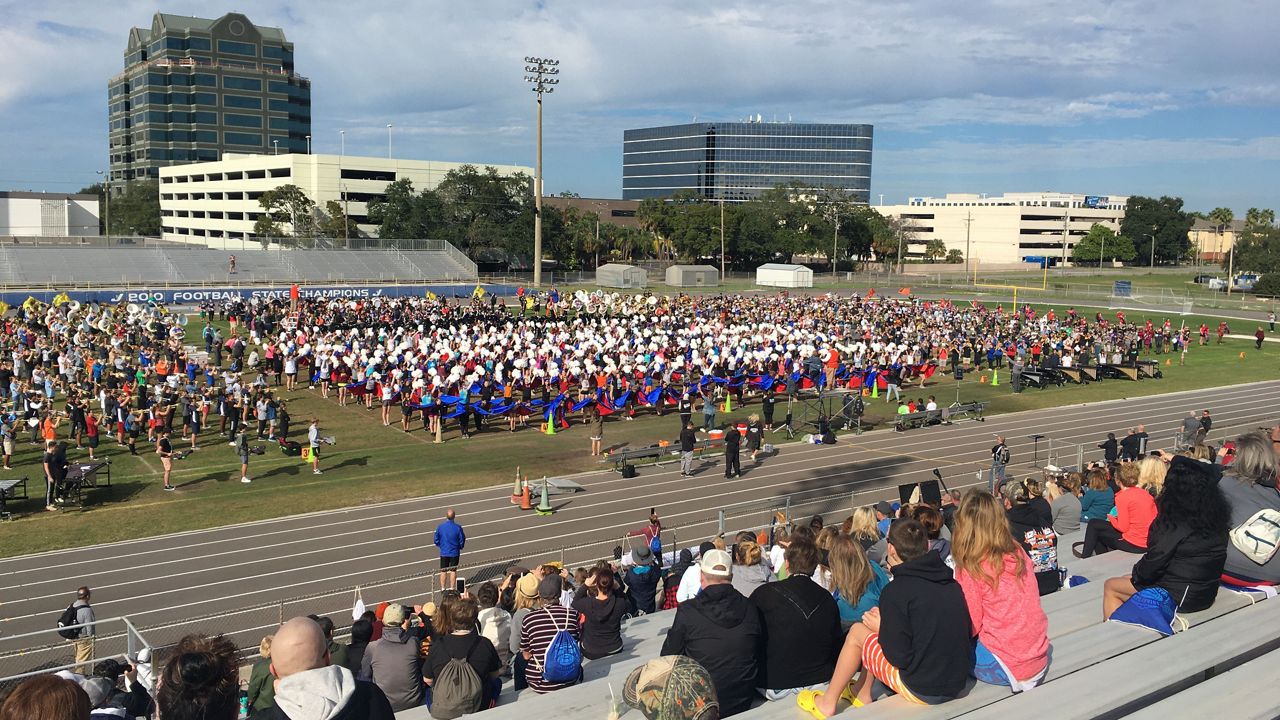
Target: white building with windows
point(38, 214)
point(1006, 229)
point(216, 203)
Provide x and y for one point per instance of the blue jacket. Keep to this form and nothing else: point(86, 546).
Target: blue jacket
point(1095, 504)
point(450, 539)
point(851, 613)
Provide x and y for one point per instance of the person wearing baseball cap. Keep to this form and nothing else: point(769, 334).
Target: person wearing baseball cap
point(720, 630)
point(394, 661)
point(540, 627)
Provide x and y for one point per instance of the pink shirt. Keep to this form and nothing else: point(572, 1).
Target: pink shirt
point(1009, 620)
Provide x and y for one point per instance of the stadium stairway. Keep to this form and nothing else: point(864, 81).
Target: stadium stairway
point(1088, 656)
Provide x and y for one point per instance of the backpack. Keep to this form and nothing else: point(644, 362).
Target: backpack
point(562, 661)
point(67, 619)
point(457, 689)
point(1257, 537)
point(1002, 455)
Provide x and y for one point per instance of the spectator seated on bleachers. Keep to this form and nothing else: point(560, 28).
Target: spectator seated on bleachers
point(1096, 497)
point(394, 662)
point(1188, 541)
point(916, 644)
point(1002, 591)
point(749, 569)
point(687, 581)
point(538, 630)
point(642, 580)
point(801, 626)
point(308, 687)
point(1250, 487)
point(457, 639)
point(601, 606)
point(494, 620)
point(722, 631)
point(1030, 517)
point(1126, 529)
point(856, 582)
point(1064, 504)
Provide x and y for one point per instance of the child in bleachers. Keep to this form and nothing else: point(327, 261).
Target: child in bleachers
point(1002, 595)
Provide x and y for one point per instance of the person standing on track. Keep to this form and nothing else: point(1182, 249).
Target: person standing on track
point(732, 444)
point(242, 449)
point(999, 459)
point(688, 441)
point(450, 538)
point(313, 439)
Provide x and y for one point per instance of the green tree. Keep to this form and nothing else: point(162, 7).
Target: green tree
point(1102, 243)
point(1256, 219)
point(404, 214)
point(935, 250)
point(889, 235)
point(332, 222)
point(1268, 285)
point(1162, 219)
point(287, 204)
point(955, 256)
point(1258, 251)
point(136, 210)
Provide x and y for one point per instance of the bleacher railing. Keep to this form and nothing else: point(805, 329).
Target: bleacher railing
point(44, 651)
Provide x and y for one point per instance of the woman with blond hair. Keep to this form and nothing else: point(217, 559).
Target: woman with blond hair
point(262, 692)
point(749, 572)
point(856, 582)
point(755, 432)
point(1061, 494)
point(822, 575)
point(1151, 472)
point(862, 527)
point(1003, 597)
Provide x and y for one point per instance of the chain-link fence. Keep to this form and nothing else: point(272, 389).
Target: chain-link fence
point(45, 651)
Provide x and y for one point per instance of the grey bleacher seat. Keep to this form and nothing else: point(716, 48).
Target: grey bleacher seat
point(1239, 693)
point(1152, 671)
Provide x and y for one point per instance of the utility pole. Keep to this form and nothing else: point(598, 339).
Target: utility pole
point(1066, 232)
point(541, 72)
point(388, 141)
point(346, 218)
point(835, 246)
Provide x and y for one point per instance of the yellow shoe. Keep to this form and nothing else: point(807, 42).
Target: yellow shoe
point(849, 697)
point(807, 700)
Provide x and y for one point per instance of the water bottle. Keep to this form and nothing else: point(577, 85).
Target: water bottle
point(244, 705)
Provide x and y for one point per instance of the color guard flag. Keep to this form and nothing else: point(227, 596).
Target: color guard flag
point(478, 292)
point(871, 292)
point(904, 291)
point(61, 299)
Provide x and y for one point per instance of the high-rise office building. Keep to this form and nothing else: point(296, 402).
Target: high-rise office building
point(737, 161)
point(193, 89)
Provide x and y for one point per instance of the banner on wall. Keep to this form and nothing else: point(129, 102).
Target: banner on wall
point(197, 295)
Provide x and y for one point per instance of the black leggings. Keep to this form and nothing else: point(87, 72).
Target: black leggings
point(1101, 536)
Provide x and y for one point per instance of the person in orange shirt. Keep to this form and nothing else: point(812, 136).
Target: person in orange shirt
point(829, 365)
point(49, 427)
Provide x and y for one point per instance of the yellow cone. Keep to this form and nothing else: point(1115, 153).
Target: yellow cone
point(551, 424)
point(995, 377)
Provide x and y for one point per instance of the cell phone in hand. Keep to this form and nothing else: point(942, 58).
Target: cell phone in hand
point(460, 585)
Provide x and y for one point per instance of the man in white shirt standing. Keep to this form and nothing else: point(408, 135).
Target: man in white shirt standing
point(313, 439)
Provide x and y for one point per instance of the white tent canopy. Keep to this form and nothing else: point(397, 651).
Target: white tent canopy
point(692, 276)
point(784, 275)
point(616, 275)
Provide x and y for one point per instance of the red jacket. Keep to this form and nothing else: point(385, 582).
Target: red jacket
point(1135, 510)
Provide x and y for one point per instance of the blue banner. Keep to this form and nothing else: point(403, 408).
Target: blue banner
point(197, 295)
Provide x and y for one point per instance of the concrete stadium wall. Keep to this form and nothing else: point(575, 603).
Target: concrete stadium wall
point(197, 295)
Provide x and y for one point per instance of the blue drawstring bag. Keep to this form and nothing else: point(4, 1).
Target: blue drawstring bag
point(1150, 608)
point(562, 662)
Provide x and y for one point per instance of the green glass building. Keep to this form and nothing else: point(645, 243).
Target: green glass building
point(193, 89)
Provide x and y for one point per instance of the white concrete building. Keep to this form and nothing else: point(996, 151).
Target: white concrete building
point(36, 214)
point(1007, 229)
point(216, 203)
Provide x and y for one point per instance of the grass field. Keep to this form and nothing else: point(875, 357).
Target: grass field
point(372, 463)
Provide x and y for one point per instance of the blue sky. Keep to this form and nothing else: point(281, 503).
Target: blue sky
point(1111, 97)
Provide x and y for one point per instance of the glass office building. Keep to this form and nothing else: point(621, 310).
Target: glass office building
point(193, 89)
point(737, 161)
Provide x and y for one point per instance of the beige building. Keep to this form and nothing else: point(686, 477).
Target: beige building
point(1006, 229)
point(1212, 241)
point(216, 203)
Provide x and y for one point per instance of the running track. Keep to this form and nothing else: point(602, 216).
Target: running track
point(167, 580)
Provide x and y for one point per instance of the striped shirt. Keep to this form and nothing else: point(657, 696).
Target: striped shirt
point(536, 632)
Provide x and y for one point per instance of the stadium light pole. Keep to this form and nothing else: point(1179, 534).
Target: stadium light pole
point(1153, 250)
point(308, 144)
point(541, 72)
point(388, 141)
point(106, 195)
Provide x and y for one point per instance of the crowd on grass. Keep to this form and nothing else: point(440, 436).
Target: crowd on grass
point(916, 600)
point(479, 362)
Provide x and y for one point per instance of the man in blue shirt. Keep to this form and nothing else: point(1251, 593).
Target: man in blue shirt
point(450, 539)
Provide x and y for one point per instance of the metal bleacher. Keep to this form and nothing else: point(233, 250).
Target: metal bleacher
point(1098, 669)
point(71, 265)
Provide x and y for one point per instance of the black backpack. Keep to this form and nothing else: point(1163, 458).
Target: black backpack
point(67, 619)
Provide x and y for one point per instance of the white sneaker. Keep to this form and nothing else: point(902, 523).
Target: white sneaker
point(317, 472)
point(245, 479)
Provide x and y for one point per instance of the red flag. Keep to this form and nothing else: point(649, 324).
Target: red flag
point(973, 304)
point(904, 291)
point(871, 292)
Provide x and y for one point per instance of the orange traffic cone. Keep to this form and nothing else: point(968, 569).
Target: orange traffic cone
point(526, 502)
